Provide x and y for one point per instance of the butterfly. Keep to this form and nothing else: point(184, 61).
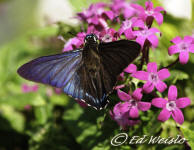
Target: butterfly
point(89, 73)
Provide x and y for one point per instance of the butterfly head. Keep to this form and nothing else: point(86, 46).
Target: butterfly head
point(91, 39)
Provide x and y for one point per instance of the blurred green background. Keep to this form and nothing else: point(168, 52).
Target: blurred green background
point(46, 120)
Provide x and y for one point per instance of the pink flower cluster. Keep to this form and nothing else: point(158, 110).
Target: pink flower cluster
point(99, 14)
point(29, 88)
point(132, 102)
point(135, 23)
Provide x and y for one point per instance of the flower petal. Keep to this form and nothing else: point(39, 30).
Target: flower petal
point(173, 50)
point(176, 40)
point(131, 68)
point(121, 31)
point(141, 75)
point(191, 48)
point(121, 76)
point(109, 14)
point(154, 30)
point(159, 102)
point(152, 67)
point(183, 57)
point(172, 93)
point(123, 96)
point(125, 107)
point(137, 94)
point(133, 122)
point(119, 86)
point(129, 34)
point(144, 106)
point(159, 17)
point(148, 87)
point(129, 12)
point(133, 112)
point(163, 74)
point(158, 9)
point(138, 23)
point(187, 39)
point(164, 115)
point(120, 109)
point(140, 40)
point(137, 7)
point(178, 116)
point(149, 5)
point(153, 40)
point(183, 102)
point(161, 86)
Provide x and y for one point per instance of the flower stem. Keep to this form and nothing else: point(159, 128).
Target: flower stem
point(187, 146)
point(172, 64)
point(145, 53)
point(142, 59)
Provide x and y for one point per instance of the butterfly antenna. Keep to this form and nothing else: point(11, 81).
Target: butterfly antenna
point(72, 33)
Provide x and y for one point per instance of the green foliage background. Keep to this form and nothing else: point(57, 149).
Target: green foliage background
point(58, 122)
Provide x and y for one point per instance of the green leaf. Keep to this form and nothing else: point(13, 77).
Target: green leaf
point(15, 118)
point(189, 135)
point(41, 114)
point(21, 100)
point(176, 75)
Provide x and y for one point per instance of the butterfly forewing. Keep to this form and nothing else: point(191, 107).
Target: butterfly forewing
point(55, 70)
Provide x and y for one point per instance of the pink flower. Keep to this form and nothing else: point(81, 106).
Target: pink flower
point(131, 68)
point(132, 104)
point(119, 86)
point(123, 7)
point(96, 15)
point(93, 10)
point(183, 47)
point(75, 42)
point(82, 103)
point(29, 88)
point(121, 76)
point(58, 90)
point(27, 107)
point(108, 35)
point(153, 77)
point(121, 117)
point(149, 12)
point(147, 34)
point(171, 106)
point(127, 27)
point(49, 91)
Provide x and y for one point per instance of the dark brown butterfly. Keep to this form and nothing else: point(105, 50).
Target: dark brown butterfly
point(87, 74)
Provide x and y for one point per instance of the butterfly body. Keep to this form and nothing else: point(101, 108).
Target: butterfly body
point(91, 58)
point(89, 73)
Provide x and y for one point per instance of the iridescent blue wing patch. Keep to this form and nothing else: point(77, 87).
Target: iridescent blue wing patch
point(55, 70)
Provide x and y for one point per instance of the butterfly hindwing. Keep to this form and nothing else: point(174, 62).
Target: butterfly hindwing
point(116, 56)
point(93, 87)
